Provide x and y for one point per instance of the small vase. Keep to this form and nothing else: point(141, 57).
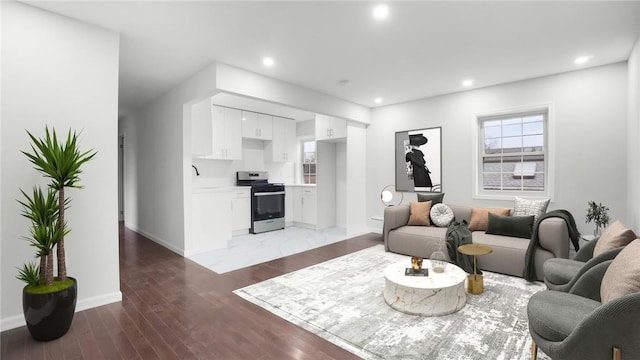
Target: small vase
point(438, 261)
point(597, 232)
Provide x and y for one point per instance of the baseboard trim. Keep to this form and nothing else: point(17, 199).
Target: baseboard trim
point(16, 321)
point(158, 241)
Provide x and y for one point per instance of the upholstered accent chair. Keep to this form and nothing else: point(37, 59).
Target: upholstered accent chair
point(560, 274)
point(598, 318)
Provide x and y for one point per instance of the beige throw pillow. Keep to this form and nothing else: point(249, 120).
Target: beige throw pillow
point(621, 277)
point(419, 213)
point(613, 236)
point(480, 217)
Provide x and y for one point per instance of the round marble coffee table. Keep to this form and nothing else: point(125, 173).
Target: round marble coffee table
point(437, 294)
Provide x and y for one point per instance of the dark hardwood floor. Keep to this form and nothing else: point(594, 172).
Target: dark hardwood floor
point(172, 308)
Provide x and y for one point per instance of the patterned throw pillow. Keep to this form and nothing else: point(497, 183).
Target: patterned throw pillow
point(526, 207)
point(419, 213)
point(441, 215)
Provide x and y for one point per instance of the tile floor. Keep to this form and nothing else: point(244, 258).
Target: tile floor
point(252, 249)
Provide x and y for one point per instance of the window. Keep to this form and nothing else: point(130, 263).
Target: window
point(309, 162)
point(513, 154)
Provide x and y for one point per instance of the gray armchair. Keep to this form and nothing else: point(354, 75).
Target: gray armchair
point(560, 274)
point(576, 325)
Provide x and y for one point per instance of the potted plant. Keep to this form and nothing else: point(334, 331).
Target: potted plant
point(49, 302)
point(598, 214)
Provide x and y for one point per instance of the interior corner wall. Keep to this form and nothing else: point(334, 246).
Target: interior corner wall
point(357, 177)
point(633, 136)
point(159, 141)
point(589, 126)
point(63, 74)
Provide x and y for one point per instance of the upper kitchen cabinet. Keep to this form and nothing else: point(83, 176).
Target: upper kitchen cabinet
point(257, 126)
point(216, 131)
point(330, 128)
point(283, 146)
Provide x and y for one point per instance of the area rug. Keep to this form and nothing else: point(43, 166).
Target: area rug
point(342, 301)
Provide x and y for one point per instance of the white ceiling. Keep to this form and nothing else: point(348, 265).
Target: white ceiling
point(424, 48)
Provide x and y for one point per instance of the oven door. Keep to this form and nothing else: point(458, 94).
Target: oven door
point(267, 205)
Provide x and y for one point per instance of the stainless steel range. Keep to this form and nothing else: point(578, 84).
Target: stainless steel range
point(267, 201)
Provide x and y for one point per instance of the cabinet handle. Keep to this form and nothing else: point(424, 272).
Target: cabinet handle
point(328, 132)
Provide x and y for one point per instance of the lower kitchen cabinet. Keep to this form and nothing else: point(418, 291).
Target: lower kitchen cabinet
point(304, 206)
point(241, 211)
point(211, 221)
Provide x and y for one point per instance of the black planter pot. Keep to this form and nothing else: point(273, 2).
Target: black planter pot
point(49, 316)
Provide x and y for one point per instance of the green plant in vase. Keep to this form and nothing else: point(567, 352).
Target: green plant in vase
point(597, 213)
point(49, 301)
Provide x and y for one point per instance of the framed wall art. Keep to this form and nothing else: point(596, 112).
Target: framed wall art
point(419, 160)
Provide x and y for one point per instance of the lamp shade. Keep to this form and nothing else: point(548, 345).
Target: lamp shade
point(387, 196)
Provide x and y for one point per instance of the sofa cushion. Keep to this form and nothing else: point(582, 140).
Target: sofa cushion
point(419, 213)
point(613, 236)
point(517, 226)
point(480, 217)
point(526, 207)
point(621, 278)
point(553, 315)
point(559, 271)
point(441, 215)
point(435, 198)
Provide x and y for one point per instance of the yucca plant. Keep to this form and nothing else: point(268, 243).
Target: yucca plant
point(43, 212)
point(60, 162)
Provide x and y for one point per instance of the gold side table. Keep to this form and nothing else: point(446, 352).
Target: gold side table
point(475, 281)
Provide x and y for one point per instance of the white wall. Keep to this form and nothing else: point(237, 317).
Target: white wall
point(156, 142)
point(357, 177)
point(238, 81)
point(590, 108)
point(64, 74)
point(633, 139)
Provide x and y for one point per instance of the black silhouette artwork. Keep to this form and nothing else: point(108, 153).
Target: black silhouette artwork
point(416, 165)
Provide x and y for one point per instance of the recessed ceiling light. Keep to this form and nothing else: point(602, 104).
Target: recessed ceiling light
point(467, 82)
point(582, 59)
point(378, 100)
point(267, 61)
point(381, 11)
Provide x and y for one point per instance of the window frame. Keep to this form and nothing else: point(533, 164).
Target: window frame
point(303, 163)
point(548, 151)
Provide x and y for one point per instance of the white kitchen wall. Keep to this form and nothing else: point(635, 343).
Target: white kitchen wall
point(590, 131)
point(633, 139)
point(61, 73)
point(223, 173)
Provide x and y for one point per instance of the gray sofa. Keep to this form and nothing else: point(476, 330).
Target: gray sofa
point(508, 254)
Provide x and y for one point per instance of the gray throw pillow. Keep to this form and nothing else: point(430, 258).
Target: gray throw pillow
point(516, 226)
point(435, 198)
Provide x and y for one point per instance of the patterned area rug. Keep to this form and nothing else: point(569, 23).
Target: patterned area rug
point(341, 300)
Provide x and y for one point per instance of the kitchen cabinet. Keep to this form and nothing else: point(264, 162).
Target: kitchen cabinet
point(288, 204)
point(211, 222)
point(241, 211)
point(330, 128)
point(282, 148)
point(257, 126)
point(304, 206)
point(216, 132)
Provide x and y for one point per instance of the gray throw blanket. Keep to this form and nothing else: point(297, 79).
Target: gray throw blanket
point(458, 234)
point(529, 271)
